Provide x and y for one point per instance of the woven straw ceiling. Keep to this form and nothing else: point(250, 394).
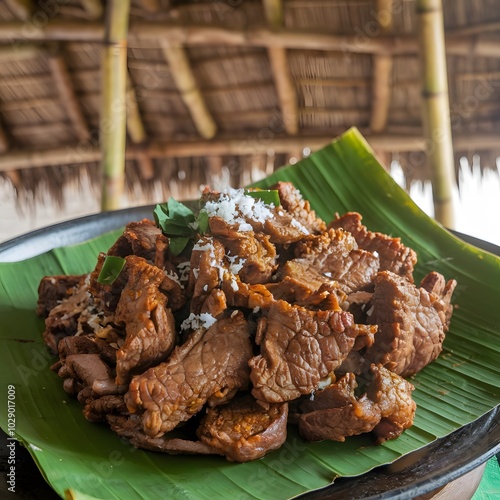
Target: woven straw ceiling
point(228, 89)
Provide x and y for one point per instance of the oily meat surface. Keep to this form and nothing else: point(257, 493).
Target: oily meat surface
point(299, 347)
point(209, 364)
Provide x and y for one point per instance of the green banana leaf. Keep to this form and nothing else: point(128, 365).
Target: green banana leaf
point(86, 460)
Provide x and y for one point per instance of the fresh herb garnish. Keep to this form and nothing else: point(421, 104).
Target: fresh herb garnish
point(267, 196)
point(111, 269)
point(180, 224)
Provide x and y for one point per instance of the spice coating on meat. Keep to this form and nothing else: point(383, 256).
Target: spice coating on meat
point(410, 321)
point(149, 325)
point(393, 255)
point(243, 430)
point(210, 363)
point(299, 347)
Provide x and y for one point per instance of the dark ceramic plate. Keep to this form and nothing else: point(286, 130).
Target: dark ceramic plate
point(418, 473)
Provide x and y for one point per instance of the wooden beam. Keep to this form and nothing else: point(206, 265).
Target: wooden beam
point(185, 81)
point(4, 142)
point(67, 95)
point(382, 71)
point(21, 8)
point(436, 109)
point(113, 115)
point(18, 52)
point(285, 87)
point(93, 8)
point(234, 145)
point(135, 125)
point(142, 33)
point(475, 29)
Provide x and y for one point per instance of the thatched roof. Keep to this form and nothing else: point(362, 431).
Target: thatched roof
point(228, 88)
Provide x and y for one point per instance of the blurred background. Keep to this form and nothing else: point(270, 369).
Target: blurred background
point(224, 92)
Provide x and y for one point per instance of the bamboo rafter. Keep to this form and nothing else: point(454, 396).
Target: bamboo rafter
point(190, 93)
point(21, 8)
point(285, 87)
point(181, 34)
point(67, 95)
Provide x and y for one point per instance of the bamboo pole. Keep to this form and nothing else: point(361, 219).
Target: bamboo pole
point(67, 95)
point(436, 109)
point(93, 8)
point(113, 117)
point(382, 71)
point(233, 145)
point(185, 81)
point(278, 59)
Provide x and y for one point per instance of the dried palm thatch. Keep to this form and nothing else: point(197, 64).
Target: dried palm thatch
point(227, 90)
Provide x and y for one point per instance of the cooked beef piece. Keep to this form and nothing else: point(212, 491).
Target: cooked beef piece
point(149, 325)
point(240, 294)
point(251, 256)
point(283, 228)
point(242, 430)
point(440, 293)
point(53, 289)
point(97, 409)
point(336, 413)
point(393, 395)
point(85, 369)
point(210, 363)
point(172, 287)
point(336, 255)
point(129, 427)
point(297, 281)
point(143, 239)
point(300, 209)
point(83, 344)
point(206, 270)
point(215, 304)
point(410, 324)
point(105, 297)
point(299, 348)
point(393, 255)
point(65, 318)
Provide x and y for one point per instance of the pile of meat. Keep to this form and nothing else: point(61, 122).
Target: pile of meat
point(270, 318)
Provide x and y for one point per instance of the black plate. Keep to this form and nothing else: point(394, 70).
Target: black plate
point(417, 473)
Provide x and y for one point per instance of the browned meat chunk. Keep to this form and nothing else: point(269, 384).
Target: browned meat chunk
point(130, 428)
point(84, 344)
point(65, 318)
point(210, 363)
point(242, 430)
point(300, 209)
point(53, 289)
point(206, 271)
point(393, 255)
point(143, 239)
point(97, 409)
point(149, 325)
point(336, 255)
point(393, 396)
point(336, 413)
point(411, 324)
point(298, 282)
point(251, 256)
point(240, 294)
point(299, 348)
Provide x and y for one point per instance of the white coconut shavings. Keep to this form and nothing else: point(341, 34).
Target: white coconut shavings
point(174, 277)
point(236, 207)
point(297, 225)
point(235, 263)
point(195, 321)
